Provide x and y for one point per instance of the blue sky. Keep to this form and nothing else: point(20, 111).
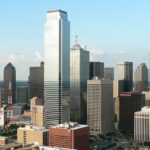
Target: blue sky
point(113, 30)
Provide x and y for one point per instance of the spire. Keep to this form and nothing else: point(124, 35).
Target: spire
point(76, 40)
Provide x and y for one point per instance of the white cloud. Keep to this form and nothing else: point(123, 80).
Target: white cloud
point(96, 54)
point(121, 52)
point(38, 57)
point(13, 58)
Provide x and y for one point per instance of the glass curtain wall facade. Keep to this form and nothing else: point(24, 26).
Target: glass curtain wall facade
point(57, 68)
point(79, 74)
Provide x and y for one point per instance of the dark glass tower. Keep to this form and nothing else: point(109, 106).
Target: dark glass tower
point(9, 80)
point(36, 81)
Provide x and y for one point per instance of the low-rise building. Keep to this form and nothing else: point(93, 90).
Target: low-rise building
point(69, 135)
point(31, 134)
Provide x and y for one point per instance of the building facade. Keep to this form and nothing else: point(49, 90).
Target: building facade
point(129, 103)
point(100, 111)
point(22, 94)
point(142, 125)
point(141, 78)
point(31, 134)
point(109, 73)
point(36, 81)
point(9, 79)
point(69, 135)
point(125, 73)
point(96, 69)
point(57, 68)
point(79, 74)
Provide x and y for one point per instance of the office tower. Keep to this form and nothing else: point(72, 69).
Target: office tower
point(125, 72)
point(96, 69)
point(37, 111)
point(109, 73)
point(22, 94)
point(129, 103)
point(69, 135)
point(32, 134)
point(9, 77)
point(79, 74)
point(100, 112)
point(3, 116)
point(118, 87)
point(36, 81)
point(142, 125)
point(141, 78)
point(147, 97)
point(57, 68)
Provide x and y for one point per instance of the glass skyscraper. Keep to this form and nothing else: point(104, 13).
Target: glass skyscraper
point(57, 68)
point(79, 74)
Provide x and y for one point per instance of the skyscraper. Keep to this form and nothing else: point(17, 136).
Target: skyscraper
point(79, 74)
point(125, 72)
point(57, 68)
point(36, 81)
point(100, 111)
point(96, 69)
point(141, 78)
point(9, 79)
point(129, 102)
point(109, 73)
point(142, 125)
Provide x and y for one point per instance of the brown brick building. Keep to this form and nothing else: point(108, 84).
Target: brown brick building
point(69, 135)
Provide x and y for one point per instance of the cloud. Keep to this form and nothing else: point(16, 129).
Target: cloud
point(38, 57)
point(96, 54)
point(121, 52)
point(13, 58)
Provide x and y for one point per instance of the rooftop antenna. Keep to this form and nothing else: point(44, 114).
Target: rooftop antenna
point(76, 40)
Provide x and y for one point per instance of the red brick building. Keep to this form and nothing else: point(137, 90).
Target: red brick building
point(69, 135)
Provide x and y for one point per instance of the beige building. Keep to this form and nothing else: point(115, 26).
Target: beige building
point(117, 87)
point(100, 109)
point(37, 115)
point(37, 112)
point(32, 134)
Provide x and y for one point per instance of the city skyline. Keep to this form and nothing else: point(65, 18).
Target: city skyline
point(118, 32)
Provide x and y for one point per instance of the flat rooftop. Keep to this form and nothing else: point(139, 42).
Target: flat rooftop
point(61, 11)
point(70, 125)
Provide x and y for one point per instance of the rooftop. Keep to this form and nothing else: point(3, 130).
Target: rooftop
point(61, 11)
point(70, 125)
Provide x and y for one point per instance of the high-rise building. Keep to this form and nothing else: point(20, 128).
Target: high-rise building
point(69, 135)
point(100, 111)
point(109, 73)
point(9, 79)
point(96, 69)
point(141, 78)
point(79, 74)
point(57, 68)
point(36, 81)
point(142, 125)
point(30, 134)
point(129, 103)
point(22, 94)
point(37, 111)
point(125, 72)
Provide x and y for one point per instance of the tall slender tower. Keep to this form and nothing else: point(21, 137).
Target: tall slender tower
point(57, 68)
point(125, 73)
point(79, 74)
point(9, 78)
point(141, 78)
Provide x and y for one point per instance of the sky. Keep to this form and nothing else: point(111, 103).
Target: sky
point(112, 30)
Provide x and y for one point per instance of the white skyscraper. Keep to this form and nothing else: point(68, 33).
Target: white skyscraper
point(142, 125)
point(57, 68)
